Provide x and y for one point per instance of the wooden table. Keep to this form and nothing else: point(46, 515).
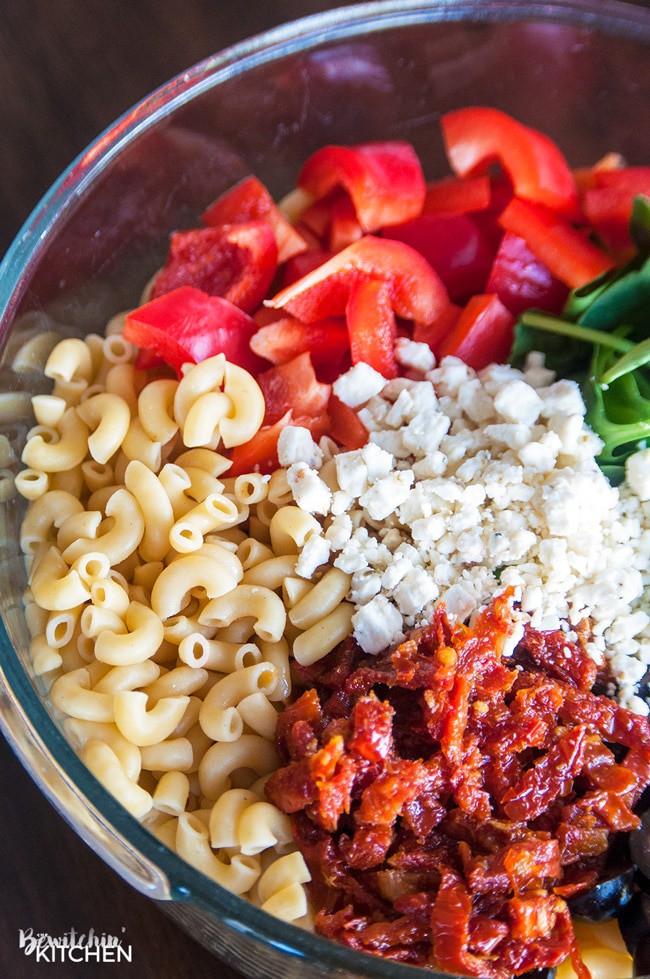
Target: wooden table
point(67, 69)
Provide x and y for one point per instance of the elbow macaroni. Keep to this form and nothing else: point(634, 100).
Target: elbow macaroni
point(163, 595)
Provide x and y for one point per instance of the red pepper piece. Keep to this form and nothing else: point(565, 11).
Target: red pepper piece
point(300, 265)
point(567, 253)
point(293, 386)
point(346, 427)
point(235, 261)
point(482, 335)
point(454, 246)
point(249, 200)
point(434, 333)
point(383, 180)
point(344, 224)
point(371, 326)
point(281, 341)
point(416, 291)
point(549, 779)
point(316, 218)
point(521, 281)
point(608, 205)
point(187, 326)
point(476, 137)
point(453, 196)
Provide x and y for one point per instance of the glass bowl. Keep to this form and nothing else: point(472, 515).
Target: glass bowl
point(577, 70)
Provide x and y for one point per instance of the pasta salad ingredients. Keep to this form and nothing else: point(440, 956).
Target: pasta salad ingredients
point(305, 443)
point(448, 798)
point(471, 482)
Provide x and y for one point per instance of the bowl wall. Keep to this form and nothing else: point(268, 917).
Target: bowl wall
point(383, 71)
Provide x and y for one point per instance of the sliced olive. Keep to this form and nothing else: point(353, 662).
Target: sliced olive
point(640, 845)
point(634, 921)
point(641, 958)
point(605, 899)
point(538, 974)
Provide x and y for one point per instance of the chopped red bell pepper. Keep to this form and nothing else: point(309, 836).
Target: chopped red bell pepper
point(585, 177)
point(187, 326)
point(235, 261)
point(483, 334)
point(249, 200)
point(435, 332)
point(476, 137)
point(453, 196)
point(566, 252)
point(260, 454)
point(345, 426)
point(293, 386)
point(416, 291)
point(317, 216)
point(371, 326)
point(454, 246)
point(280, 342)
point(344, 224)
point(301, 264)
point(608, 204)
point(522, 281)
point(384, 180)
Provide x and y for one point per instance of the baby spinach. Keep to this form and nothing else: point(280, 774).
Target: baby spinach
point(602, 340)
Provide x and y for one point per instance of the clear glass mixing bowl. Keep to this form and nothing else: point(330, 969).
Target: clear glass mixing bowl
point(579, 71)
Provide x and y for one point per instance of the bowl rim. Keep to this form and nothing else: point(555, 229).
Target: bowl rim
point(23, 716)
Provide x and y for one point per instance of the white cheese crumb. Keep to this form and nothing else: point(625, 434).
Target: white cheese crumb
point(309, 491)
point(473, 483)
point(358, 385)
point(295, 444)
point(518, 402)
point(637, 473)
point(377, 625)
point(413, 355)
point(314, 553)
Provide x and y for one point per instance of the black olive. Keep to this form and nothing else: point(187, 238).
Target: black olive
point(538, 974)
point(640, 845)
point(642, 882)
point(634, 921)
point(605, 899)
point(641, 959)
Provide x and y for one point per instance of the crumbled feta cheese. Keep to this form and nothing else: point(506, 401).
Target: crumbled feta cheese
point(358, 385)
point(416, 356)
point(339, 531)
point(472, 483)
point(295, 444)
point(314, 553)
point(309, 491)
point(377, 625)
point(351, 473)
point(458, 602)
point(637, 473)
point(378, 462)
point(387, 494)
point(518, 402)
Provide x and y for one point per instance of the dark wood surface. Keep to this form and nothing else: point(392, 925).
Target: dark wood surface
point(67, 69)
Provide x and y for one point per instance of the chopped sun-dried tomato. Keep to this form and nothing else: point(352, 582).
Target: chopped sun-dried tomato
point(448, 799)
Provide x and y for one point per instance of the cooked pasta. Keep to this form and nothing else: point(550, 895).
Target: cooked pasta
point(160, 589)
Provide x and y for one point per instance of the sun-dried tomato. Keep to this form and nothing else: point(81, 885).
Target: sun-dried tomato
point(448, 799)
